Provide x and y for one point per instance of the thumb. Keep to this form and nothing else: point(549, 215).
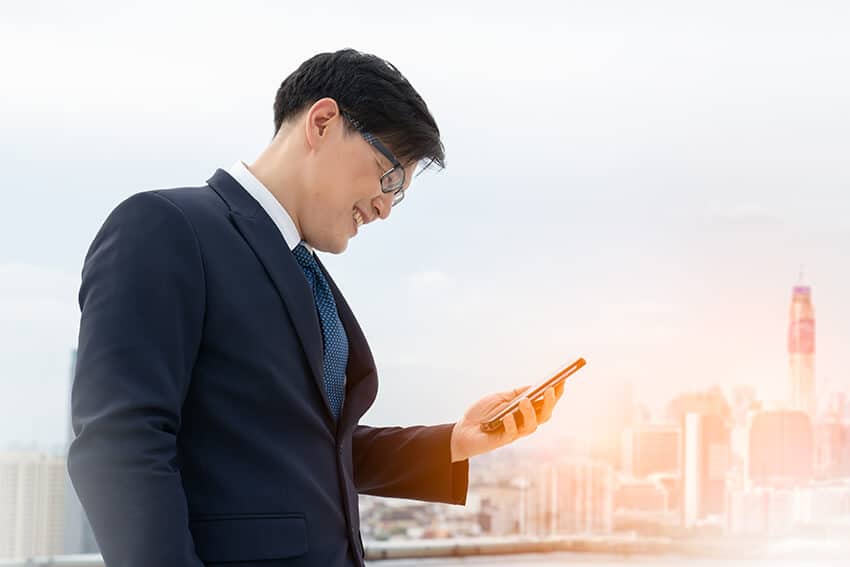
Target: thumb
point(511, 394)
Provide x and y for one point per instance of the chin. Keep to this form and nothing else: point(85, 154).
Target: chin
point(337, 247)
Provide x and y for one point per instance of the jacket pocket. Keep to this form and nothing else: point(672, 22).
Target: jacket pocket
point(249, 537)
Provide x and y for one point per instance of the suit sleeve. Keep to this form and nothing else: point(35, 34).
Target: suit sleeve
point(409, 462)
point(142, 301)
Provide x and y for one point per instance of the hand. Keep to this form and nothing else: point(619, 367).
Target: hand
point(467, 438)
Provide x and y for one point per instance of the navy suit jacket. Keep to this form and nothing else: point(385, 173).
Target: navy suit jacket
point(203, 430)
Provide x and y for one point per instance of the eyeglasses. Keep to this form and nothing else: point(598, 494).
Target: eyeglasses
point(392, 181)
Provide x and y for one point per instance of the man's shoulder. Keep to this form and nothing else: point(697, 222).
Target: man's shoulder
point(196, 204)
point(180, 210)
point(192, 200)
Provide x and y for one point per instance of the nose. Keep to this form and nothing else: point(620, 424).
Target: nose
point(383, 204)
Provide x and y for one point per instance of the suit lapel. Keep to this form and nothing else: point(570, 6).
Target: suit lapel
point(261, 234)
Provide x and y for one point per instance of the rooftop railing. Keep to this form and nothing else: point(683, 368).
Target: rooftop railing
point(377, 552)
point(621, 546)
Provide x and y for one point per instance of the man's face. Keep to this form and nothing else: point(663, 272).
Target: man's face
point(342, 183)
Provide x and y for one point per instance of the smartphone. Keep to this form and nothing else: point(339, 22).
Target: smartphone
point(535, 393)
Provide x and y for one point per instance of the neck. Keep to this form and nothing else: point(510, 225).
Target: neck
point(274, 169)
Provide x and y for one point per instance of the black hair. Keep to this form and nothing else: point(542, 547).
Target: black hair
point(374, 93)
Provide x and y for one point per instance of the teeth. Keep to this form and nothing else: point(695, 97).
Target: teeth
point(358, 218)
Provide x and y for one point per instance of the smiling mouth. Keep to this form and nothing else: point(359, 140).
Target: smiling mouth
point(358, 218)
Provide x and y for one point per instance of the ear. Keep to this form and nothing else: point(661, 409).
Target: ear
point(322, 120)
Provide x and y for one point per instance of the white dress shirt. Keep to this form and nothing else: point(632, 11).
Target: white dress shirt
point(240, 172)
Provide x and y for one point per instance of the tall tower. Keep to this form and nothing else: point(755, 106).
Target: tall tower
point(801, 349)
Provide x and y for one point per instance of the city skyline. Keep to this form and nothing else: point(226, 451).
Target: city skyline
point(681, 474)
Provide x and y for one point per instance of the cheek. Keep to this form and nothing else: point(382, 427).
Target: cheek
point(328, 192)
point(349, 191)
point(339, 183)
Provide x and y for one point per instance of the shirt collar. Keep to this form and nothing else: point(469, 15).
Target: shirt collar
point(240, 172)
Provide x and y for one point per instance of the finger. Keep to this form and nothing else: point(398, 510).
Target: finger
point(518, 419)
point(509, 423)
point(545, 412)
point(529, 417)
point(511, 394)
point(538, 404)
point(559, 391)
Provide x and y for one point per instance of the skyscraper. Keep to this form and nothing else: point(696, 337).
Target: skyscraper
point(801, 350)
point(781, 450)
point(568, 496)
point(651, 449)
point(583, 493)
point(31, 504)
point(706, 458)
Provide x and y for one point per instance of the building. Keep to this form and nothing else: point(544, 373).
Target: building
point(780, 452)
point(647, 496)
point(832, 450)
point(606, 428)
point(744, 400)
point(784, 511)
point(651, 449)
point(759, 511)
point(801, 350)
point(500, 507)
point(584, 493)
point(746, 511)
point(707, 455)
point(573, 496)
point(825, 505)
point(32, 504)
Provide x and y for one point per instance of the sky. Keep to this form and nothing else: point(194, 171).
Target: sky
point(635, 183)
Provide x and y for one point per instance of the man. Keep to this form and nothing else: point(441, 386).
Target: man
point(221, 375)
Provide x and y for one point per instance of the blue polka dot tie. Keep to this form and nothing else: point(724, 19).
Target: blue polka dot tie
point(334, 339)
